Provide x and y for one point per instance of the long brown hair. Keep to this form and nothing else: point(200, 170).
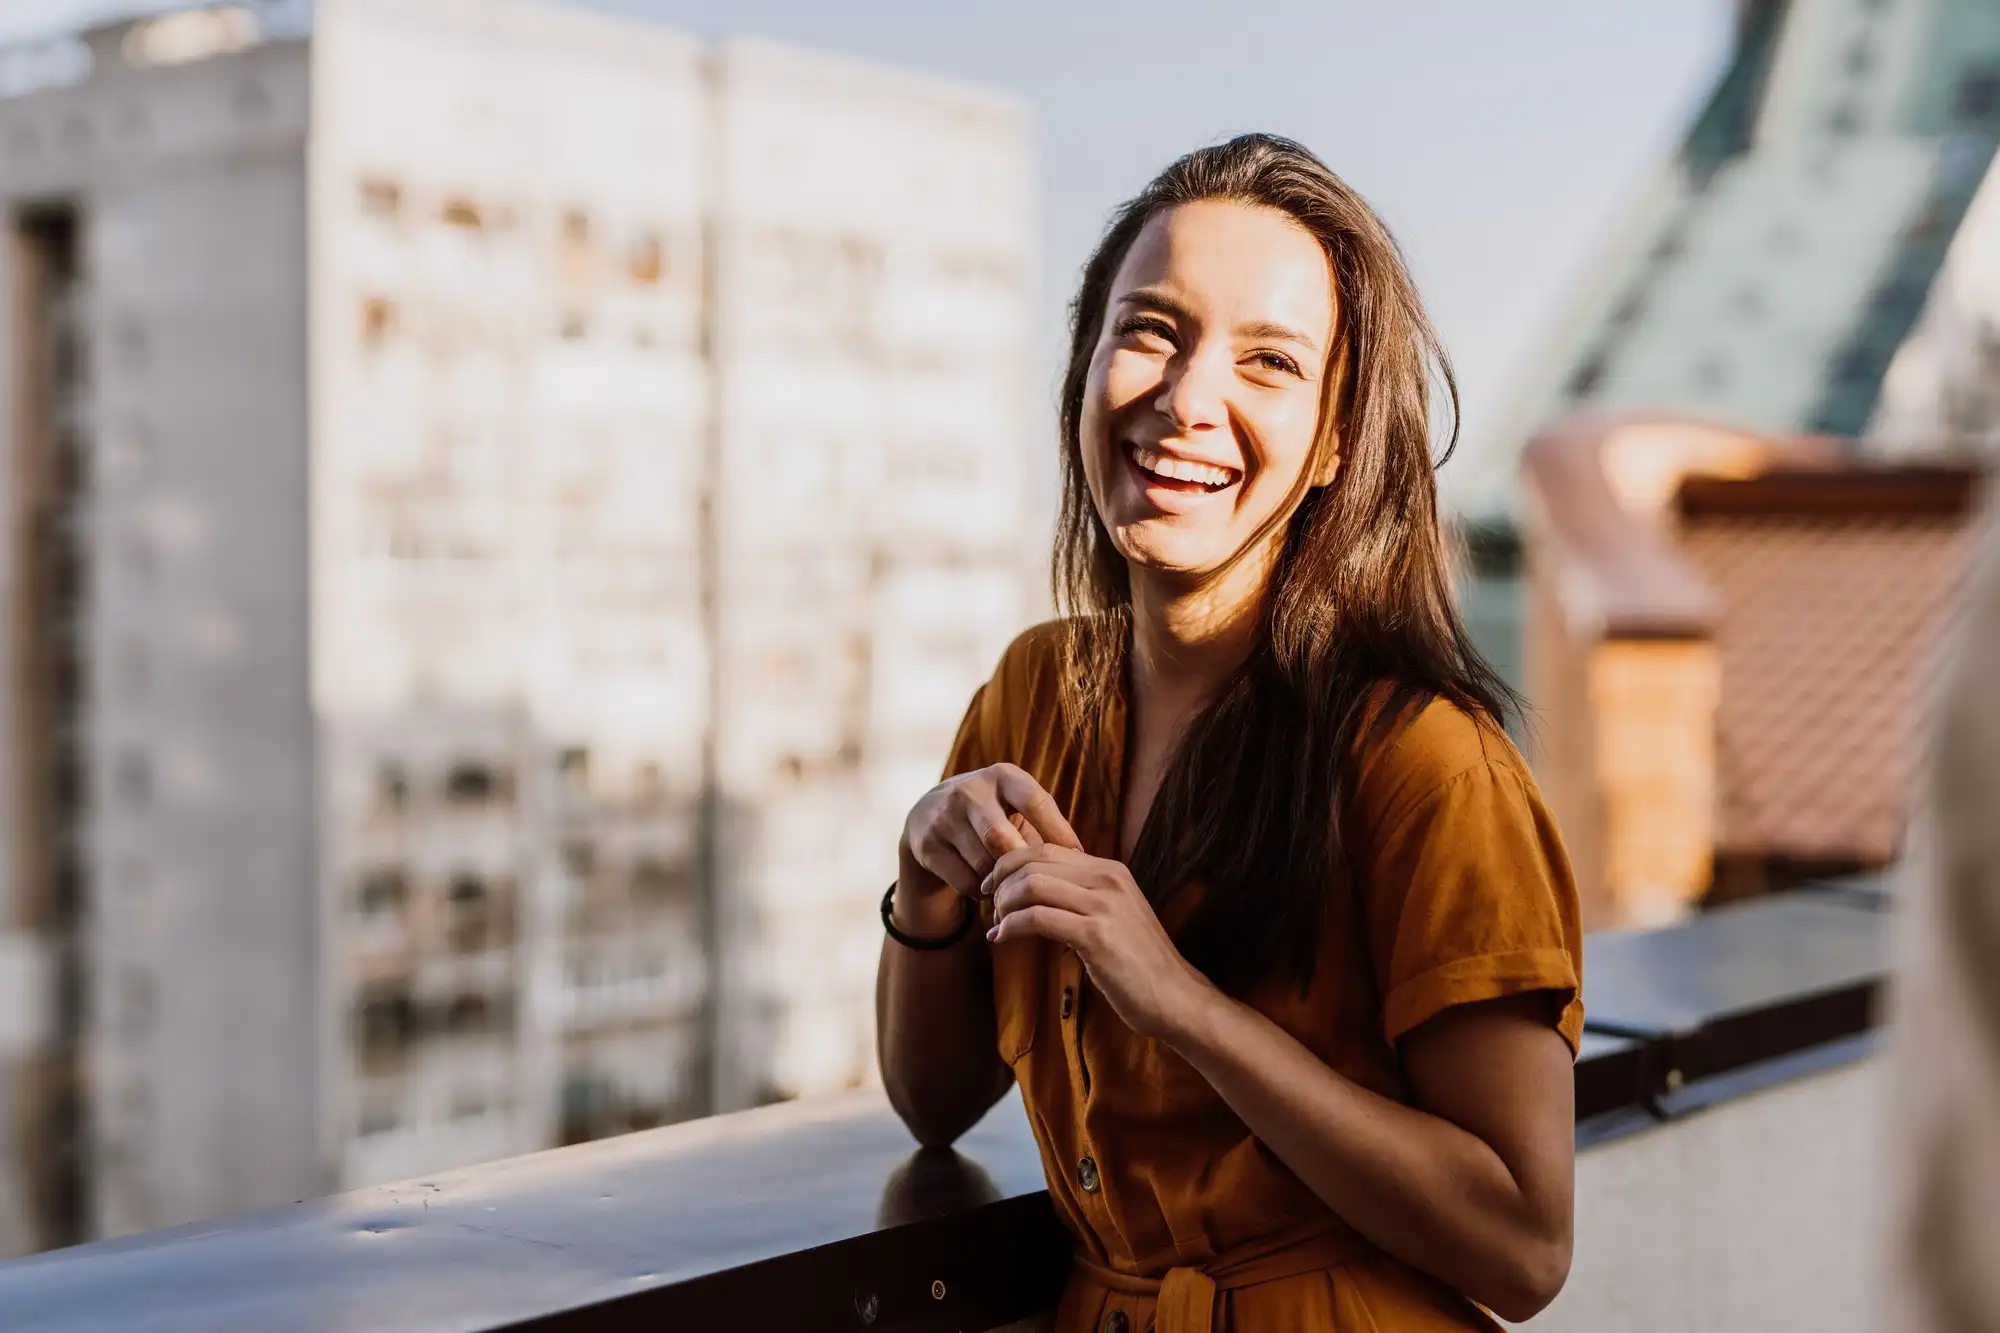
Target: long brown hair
point(1359, 629)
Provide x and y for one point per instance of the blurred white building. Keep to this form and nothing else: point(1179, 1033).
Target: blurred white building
point(503, 510)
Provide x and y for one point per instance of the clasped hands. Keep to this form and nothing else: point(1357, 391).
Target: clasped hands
point(996, 834)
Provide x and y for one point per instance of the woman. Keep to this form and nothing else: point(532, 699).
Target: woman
point(1280, 943)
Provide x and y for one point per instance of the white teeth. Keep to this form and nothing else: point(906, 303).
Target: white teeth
point(1180, 469)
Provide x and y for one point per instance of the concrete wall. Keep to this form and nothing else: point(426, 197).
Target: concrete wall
point(1761, 1213)
point(188, 186)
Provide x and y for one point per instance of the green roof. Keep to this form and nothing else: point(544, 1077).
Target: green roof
point(1769, 272)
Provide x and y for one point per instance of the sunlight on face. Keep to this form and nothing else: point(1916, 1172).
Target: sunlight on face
point(1203, 398)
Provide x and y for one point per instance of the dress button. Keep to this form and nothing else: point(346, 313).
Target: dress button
point(1068, 1001)
point(1116, 1322)
point(1086, 1175)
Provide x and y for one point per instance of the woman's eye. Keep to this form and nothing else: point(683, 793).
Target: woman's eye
point(1279, 362)
point(1145, 326)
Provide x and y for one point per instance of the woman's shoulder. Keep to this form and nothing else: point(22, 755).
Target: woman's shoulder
point(1423, 747)
point(1031, 666)
point(1023, 690)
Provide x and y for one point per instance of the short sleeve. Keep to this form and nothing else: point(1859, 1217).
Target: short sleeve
point(995, 727)
point(1470, 898)
point(972, 745)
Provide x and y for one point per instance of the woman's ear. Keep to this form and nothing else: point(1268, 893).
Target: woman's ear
point(1328, 466)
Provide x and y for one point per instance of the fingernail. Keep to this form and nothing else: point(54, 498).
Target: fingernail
point(993, 934)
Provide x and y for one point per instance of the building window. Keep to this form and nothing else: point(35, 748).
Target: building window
point(468, 1015)
point(380, 197)
point(463, 214)
point(378, 320)
point(472, 783)
point(473, 915)
point(392, 786)
point(384, 1024)
point(654, 880)
point(386, 889)
point(647, 260)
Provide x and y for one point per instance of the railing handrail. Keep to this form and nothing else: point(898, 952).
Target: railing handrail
point(823, 1216)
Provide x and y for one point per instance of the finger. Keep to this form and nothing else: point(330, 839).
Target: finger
point(1010, 863)
point(1047, 855)
point(1034, 887)
point(965, 842)
point(1040, 922)
point(992, 825)
point(1021, 792)
point(939, 855)
point(1026, 828)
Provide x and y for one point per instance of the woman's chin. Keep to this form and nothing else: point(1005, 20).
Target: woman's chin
point(1161, 554)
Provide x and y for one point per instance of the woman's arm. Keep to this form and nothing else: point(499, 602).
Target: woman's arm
point(934, 1018)
point(934, 1022)
point(1471, 1183)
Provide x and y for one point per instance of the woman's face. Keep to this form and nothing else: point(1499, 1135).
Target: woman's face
point(1203, 397)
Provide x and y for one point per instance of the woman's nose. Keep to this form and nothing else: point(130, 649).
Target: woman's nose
point(1194, 393)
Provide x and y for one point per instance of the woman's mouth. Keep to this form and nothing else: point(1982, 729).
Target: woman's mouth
point(1182, 475)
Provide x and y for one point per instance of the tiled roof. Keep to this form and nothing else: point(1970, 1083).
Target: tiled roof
point(1830, 625)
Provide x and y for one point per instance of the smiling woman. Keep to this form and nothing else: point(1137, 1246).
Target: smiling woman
point(1282, 947)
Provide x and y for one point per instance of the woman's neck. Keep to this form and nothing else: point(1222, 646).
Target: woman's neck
point(1188, 636)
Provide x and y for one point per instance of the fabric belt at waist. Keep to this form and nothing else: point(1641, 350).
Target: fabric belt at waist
point(1186, 1295)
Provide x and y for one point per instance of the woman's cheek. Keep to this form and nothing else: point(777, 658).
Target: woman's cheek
point(1287, 445)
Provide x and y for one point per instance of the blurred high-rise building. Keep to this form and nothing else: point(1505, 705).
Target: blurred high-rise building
point(503, 509)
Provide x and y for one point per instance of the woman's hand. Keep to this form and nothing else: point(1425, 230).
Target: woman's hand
point(1095, 908)
point(959, 829)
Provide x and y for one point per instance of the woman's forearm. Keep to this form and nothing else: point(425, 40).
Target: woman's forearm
point(1428, 1192)
point(934, 1023)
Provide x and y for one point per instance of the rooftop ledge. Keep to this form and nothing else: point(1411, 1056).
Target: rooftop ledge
point(823, 1215)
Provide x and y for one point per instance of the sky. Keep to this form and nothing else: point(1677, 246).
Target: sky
point(1498, 138)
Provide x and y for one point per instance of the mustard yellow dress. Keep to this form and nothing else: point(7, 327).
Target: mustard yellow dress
point(1183, 1221)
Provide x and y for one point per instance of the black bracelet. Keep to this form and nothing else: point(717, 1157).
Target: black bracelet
point(966, 916)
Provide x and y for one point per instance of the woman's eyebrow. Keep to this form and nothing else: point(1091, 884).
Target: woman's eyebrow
point(1160, 301)
point(1276, 333)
